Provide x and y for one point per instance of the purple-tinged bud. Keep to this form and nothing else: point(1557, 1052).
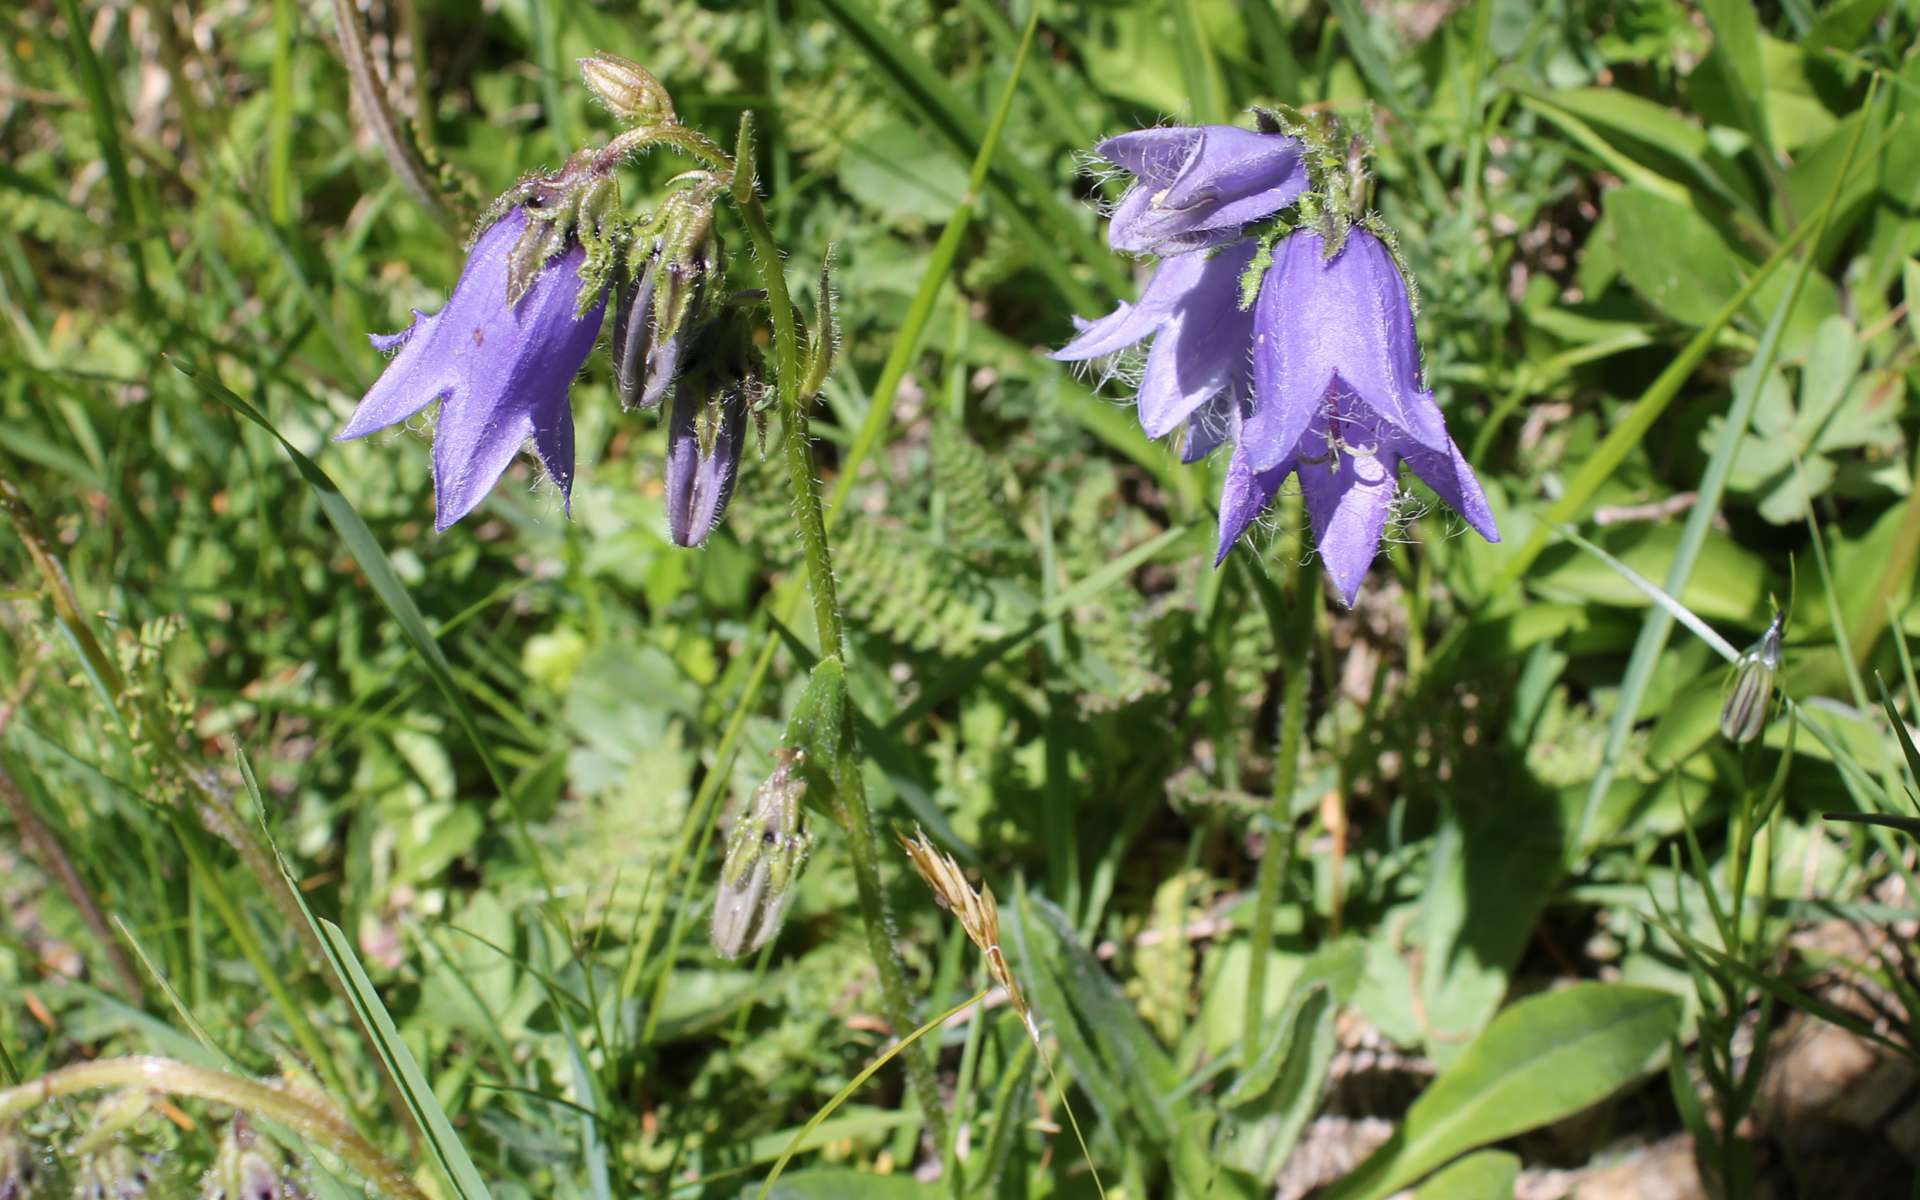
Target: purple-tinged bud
point(704, 439)
point(659, 311)
point(248, 1167)
point(628, 89)
point(765, 852)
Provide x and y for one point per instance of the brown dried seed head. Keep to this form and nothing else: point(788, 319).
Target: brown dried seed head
point(978, 912)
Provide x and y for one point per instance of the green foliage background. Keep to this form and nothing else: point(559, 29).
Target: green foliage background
point(1507, 749)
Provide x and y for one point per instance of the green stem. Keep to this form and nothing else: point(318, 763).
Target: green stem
point(310, 1120)
point(1296, 646)
point(850, 784)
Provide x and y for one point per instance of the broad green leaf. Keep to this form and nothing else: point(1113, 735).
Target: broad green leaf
point(1493, 864)
point(1126, 1072)
point(1671, 255)
point(1267, 1106)
point(902, 176)
point(1737, 56)
point(1546, 1058)
point(1488, 1175)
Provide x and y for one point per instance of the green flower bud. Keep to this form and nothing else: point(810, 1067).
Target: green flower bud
point(1750, 686)
point(765, 852)
point(628, 89)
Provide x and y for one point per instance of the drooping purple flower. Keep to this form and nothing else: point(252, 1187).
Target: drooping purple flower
point(1337, 398)
point(1349, 466)
point(705, 435)
point(1199, 185)
point(501, 371)
point(1343, 323)
point(1191, 309)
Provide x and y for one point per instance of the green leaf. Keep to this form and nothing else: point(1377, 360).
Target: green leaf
point(1269, 1104)
point(414, 1088)
point(851, 1185)
point(1488, 1175)
point(902, 176)
point(1543, 1059)
point(1737, 53)
point(1671, 255)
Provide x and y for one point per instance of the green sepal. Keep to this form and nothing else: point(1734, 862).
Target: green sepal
point(823, 344)
point(743, 161)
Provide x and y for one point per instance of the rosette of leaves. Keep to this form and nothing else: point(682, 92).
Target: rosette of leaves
point(1836, 433)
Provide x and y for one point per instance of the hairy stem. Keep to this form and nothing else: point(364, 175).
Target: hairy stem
point(1295, 638)
point(310, 1119)
point(850, 785)
point(394, 143)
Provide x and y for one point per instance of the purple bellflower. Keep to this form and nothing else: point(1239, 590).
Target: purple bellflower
point(1200, 185)
point(1337, 397)
point(1307, 361)
point(1191, 309)
point(501, 369)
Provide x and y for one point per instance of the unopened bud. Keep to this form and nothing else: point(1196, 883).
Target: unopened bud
point(247, 1167)
point(628, 90)
point(765, 852)
point(659, 309)
point(1750, 686)
point(704, 439)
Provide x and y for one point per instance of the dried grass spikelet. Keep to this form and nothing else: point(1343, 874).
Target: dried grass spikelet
point(979, 915)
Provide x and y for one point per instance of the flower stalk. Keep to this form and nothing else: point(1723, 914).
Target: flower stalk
point(1294, 633)
point(809, 515)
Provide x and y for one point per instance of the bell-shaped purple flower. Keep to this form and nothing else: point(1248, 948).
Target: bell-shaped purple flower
point(1191, 309)
point(1200, 185)
point(1342, 324)
point(1349, 465)
point(704, 437)
point(501, 370)
point(1337, 398)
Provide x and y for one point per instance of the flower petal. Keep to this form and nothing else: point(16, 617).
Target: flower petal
point(1213, 423)
point(1348, 500)
point(1360, 302)
point(1202, 348)
point(1230, 177)
point(1245, 495)
point(553, 442)
point(1127, 324)
point(1290, 371)
point(1156, 156)
point(427, 367)
point(1454, 482)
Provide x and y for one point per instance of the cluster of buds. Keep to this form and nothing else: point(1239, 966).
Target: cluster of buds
point(765, 853)
point(672, 340)
point(546, 257)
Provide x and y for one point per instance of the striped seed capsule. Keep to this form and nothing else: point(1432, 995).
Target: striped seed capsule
point(1750, 686)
